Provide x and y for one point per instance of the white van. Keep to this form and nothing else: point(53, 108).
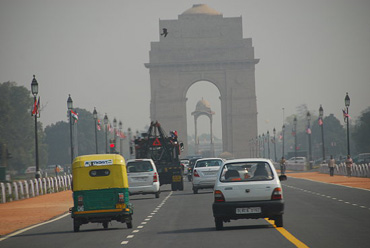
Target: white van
point(143, 177)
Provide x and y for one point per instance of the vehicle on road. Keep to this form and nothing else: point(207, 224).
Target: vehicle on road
point(191, 165)
point(100, 190)
point(248, 189)
point(142, 177)
point(185, 165)
point(165, 152)
point(205, 173)
point(53, 169)
point(297, 160)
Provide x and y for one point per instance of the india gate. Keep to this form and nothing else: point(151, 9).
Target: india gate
point(202, 45)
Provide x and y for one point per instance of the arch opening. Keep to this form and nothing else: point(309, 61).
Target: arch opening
point(203, 116)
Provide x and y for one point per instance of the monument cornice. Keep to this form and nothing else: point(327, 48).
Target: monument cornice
point(202, 63)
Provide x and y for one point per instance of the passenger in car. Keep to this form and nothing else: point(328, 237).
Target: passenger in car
point(260, 171)
point(232, 175)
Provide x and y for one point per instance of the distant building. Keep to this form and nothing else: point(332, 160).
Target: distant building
point(202, 45)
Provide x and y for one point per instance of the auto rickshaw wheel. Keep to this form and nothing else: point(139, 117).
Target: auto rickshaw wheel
point(129, 224)
point(105, 224)
point(76, 225)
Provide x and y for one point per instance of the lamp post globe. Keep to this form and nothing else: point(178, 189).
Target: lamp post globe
point(34, 86)
point(69, 102)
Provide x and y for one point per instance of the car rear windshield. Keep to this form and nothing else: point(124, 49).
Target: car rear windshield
point(246, 171)
point(208, 163)
point(139, 166)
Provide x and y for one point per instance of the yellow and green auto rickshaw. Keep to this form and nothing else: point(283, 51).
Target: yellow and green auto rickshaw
point(100, 190)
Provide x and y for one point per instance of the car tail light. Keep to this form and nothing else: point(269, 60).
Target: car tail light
point(219, 197)
point(196, 173)
point(277, 194)
point(121, 198)
point(80, 200)
point(155, 177)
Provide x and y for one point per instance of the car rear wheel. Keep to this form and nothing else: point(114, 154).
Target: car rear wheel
point(279, 221)
point(157, 195)
point(195, 190)
point(219, 223)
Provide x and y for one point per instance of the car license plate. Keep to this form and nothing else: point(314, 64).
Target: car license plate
point(140, 179)
point(176, 178)
point(253, 210)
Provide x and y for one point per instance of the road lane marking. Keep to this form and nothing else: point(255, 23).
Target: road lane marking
point(148, 218)
point(288, 235)
point(34, 226)
point(326, 196)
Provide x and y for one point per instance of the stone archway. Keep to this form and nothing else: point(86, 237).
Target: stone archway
point(202, 45)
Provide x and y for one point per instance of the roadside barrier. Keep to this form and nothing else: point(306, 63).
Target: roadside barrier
point(24, 189)
point(358, 170)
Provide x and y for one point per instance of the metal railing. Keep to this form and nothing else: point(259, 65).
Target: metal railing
point(358, 170)
point(23, 189)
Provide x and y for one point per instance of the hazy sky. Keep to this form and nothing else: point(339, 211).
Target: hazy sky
point(311, 52)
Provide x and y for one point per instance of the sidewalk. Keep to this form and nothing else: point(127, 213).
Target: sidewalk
point(20, 214)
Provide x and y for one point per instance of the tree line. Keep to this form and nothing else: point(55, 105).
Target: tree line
point(17, 133)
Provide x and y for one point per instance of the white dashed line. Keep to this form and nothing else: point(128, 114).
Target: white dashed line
point(125, 242)
point(327, 196)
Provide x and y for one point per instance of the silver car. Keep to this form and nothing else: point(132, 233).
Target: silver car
point(142, 177)
point(205, 173)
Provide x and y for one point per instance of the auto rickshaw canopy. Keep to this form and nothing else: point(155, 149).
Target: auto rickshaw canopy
point(99, 171)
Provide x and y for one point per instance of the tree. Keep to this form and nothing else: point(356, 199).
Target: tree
point(17, 129)
point(58, 138)
point(361, 132)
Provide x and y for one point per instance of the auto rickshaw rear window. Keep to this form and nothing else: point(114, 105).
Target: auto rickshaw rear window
point(99, 173)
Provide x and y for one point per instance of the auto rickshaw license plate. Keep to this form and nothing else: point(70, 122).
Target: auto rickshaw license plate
point(176, 178)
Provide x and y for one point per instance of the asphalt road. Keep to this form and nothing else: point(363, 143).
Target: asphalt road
point(316, 214)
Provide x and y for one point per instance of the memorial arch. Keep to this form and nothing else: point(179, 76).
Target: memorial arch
point(202, 45)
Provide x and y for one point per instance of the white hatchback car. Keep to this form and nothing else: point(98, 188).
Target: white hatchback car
point(248, 189)
point(205, 173)
point(142, 177)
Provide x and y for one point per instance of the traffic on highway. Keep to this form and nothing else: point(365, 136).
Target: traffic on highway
point(315, 215)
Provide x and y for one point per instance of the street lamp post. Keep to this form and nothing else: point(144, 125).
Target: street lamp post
point(95, 115)
point(115, 132)
point(295, 137)
point(283, 129)
point(36, 113)
point(70, 107)
point(259, 146)
point(321, 123)
point(274, 131)
point(268, 143)
point(346, 103)
point(120, 138)
point(263, 145)
point(130, 142)
point(309, 138)
point(106, 132)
